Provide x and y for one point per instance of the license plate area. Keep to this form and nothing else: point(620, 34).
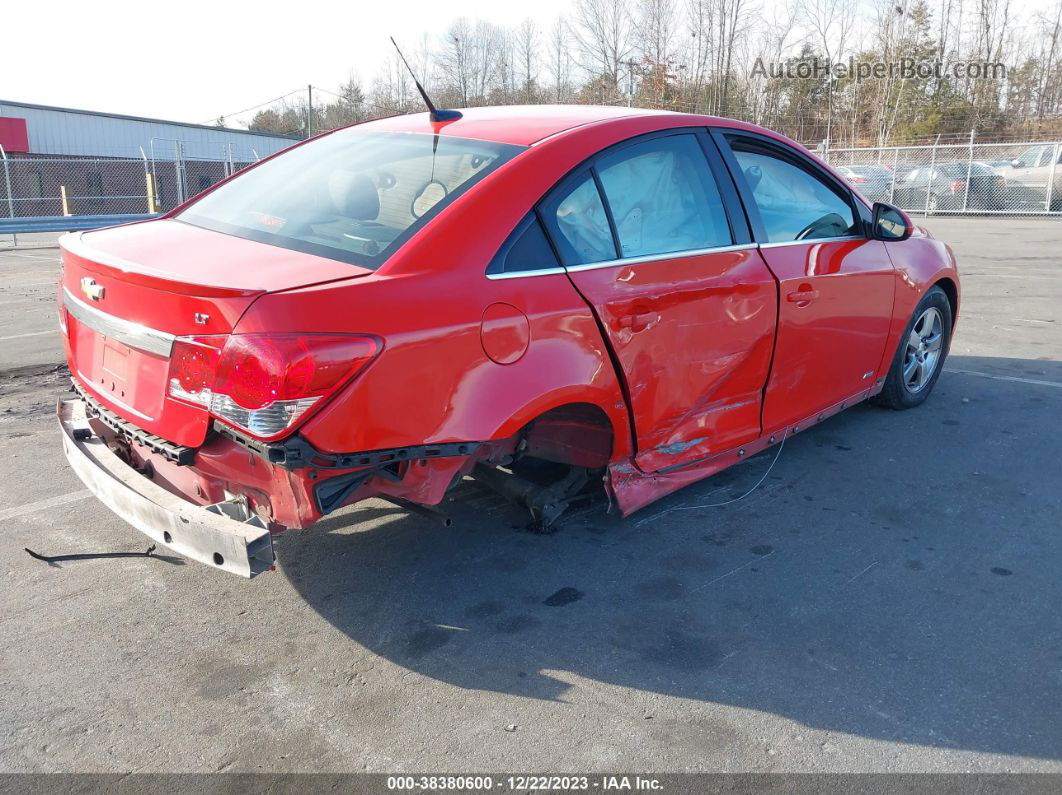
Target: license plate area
point(132, 380)
point(115, 359)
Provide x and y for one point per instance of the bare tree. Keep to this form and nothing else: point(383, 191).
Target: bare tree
point(560, 60)
point(655, 29)
point(1048, 60)
point(527, 45)
point(730, 20)
point(832, 22)
point(603, 32)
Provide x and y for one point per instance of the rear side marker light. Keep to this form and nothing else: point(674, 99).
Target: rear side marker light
point(264, 384)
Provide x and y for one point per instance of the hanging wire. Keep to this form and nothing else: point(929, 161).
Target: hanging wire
point(777, 454)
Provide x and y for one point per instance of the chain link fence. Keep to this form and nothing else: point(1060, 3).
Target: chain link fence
point(163, 177)
point(1009, 178)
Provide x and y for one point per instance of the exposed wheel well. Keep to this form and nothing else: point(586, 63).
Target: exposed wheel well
point(579, 434)
point(950, 290)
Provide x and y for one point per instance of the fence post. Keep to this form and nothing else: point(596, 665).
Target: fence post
point(932, 168)
point(1051, 177)
point(10, 198)
point(232, 167)
point(64, 200)
point(178, 171)
point(149, 186)
point(895, 166)
point(969, 173)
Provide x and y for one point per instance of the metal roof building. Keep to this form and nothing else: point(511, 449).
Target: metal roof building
point(44, 130)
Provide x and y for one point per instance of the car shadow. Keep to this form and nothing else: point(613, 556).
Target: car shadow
point(895, 577)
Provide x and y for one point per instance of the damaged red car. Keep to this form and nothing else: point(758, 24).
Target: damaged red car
point(639, 298)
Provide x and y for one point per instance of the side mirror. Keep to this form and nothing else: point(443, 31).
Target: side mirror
point(1015, 163)
point(890, 223)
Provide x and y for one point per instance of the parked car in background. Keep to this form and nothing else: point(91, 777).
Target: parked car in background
point(952, 186)
point(901, 169)
point(873, 181)
point(1037, 168)
point(999, 166)
point(633, 300)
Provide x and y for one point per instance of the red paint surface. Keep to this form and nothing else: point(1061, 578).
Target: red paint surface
point(505, 333)
point(14, 136)
point(687, 360)
point(831, 339)
point(693, 336)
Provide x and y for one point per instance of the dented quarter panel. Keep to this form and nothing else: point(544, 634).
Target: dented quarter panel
point(434, 382)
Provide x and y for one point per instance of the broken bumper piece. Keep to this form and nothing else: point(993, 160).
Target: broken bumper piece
point(222, 536)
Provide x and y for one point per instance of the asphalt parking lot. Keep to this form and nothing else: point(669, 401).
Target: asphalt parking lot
point(888, 600)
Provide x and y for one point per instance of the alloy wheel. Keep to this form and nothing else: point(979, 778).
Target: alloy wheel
point(922, 354)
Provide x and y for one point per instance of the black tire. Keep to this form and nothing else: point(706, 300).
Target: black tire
point(896, 394)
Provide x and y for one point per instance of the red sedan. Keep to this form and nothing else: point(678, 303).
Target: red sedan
point(547, 299)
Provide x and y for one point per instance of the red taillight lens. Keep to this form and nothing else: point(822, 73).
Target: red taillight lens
point(856, 179)
point(258, 369)
point(193, 364)
point(958, 186)
point(264, 383)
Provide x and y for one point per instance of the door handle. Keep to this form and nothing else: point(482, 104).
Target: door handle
point(802, 297)
point(636, 321)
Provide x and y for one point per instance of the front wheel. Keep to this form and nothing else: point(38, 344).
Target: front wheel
point(920, 354)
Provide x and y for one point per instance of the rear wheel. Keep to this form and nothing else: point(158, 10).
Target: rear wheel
point(920, 354)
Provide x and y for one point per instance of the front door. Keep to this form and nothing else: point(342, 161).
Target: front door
point(835, 286)
point(684, 299)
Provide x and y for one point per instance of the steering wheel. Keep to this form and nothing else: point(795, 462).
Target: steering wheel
point(826, 221)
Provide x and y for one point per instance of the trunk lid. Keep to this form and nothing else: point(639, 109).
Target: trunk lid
point(130, 290)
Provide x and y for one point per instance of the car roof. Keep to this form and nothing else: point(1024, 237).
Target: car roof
point(522, 125)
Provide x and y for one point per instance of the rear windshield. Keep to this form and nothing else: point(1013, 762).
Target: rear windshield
point(349, 196)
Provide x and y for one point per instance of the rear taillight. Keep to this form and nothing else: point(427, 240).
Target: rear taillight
point(958, 186)
point(265, 383)
point(856, 179)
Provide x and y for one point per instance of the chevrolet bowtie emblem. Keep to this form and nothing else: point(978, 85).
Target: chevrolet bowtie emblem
point(91, 289)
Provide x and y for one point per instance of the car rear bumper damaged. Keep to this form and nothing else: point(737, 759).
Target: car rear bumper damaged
point(223, 535)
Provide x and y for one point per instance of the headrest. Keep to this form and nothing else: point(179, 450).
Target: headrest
point(354, 195)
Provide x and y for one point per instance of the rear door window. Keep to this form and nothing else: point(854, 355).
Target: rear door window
point(663, 197)
point(578, 222)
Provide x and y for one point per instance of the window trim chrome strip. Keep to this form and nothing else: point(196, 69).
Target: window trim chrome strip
point(127, 332)
point(811, 241)
point(668, 255)
point(613, 263)
point(521, 274)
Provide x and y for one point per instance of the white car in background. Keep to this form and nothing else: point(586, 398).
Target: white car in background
point(1037, 167)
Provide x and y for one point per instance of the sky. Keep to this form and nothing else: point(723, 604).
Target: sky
point(192, 61)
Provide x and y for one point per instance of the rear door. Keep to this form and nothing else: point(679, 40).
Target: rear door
point(649, 236)
point(835, 285)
